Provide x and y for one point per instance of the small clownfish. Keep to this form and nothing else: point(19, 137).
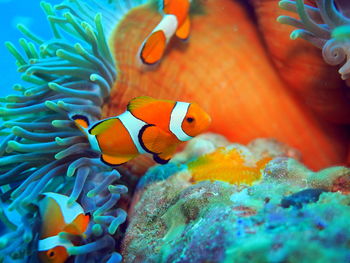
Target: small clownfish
point(175, 21)
point(58, 216)
point(147, 126)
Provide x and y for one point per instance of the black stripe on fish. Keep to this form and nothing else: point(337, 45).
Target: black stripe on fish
point(160, 160)
point(140, 137)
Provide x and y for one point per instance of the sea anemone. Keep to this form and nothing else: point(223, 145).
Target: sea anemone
point(301, 65)
point(43, 150)
point(326, 25)
point(217, 68)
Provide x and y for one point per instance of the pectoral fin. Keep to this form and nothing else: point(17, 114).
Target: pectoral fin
point(81, 222)
point(115, 160)
point(183, 32)
point(79, 225)
point(165, 156)
point(154, 140)
point(139, 103)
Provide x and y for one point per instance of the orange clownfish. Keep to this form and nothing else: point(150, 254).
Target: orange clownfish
point(59, 216)
point(175, 21)
point(147, 126)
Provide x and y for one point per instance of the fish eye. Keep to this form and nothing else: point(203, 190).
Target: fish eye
point(190, 119)
point(51, 253)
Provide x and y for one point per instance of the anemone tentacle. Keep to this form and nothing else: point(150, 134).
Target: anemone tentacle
point(42, 150)
point(326, 26)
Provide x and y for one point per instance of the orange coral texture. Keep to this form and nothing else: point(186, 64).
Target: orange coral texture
point(226, 69)
point(227, 165)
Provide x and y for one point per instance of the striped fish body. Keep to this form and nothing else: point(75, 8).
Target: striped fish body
point(117, 138)
point(175, 21)
point(178, 8)
point(147, 126)
point(58, 216)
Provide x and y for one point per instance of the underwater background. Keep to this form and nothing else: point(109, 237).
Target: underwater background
point(98, 101)
point(23, 12)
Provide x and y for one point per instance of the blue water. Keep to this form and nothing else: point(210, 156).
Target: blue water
point(29, 13)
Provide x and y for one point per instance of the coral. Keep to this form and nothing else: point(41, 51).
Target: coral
point(211, 157)
point(41, 149)
point(289, 170)
point(232, 165)
point(176, 221)
point(303, 197)
point(203, 144)
point(245, 101)
point(326, 26)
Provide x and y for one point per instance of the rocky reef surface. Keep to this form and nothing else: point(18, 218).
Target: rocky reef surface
point(286, 214)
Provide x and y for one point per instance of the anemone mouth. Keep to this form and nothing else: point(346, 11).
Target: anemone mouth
point(41, 149)
point(326, 26)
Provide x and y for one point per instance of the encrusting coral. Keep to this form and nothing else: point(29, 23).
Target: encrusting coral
point(290, 208)
point(326, 24)
point(228, 165)
point(43, 150)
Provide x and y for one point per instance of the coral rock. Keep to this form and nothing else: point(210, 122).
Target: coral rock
point(176, 221)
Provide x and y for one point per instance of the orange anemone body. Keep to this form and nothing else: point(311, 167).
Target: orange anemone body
point(225, 69)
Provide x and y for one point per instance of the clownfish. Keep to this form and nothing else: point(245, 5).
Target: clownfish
point(59, 216)
point(175, 21)
point(147, 126)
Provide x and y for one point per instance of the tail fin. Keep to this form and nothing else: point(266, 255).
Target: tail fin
point(81, 120)
point(183, 32)
point(83, 123)
point(153, 48)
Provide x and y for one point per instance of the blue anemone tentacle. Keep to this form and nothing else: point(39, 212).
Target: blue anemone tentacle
point(42, 150)
point(320, 26)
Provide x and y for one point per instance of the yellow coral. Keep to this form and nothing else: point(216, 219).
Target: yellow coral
point(229, 165)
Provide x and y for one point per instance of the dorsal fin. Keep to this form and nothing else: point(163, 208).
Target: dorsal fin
point(139, 102)
point(165, 4)
point(183, 31)
point(101, 126)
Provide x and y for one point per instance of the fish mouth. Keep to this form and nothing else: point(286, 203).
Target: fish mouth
point(208, 119)
point(206, 123)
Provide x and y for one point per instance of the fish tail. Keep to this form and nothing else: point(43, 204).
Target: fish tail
point(81, 121)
